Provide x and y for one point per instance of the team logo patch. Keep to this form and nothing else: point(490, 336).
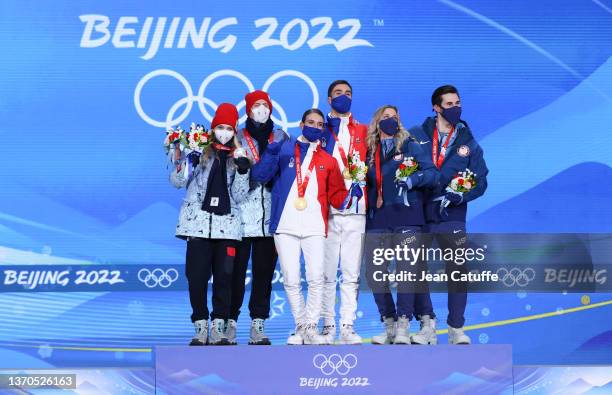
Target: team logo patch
point(358, 140)
point(321, 167)
point(398, 157)
point(323, 143)
point(291, 162)
point(464, 150)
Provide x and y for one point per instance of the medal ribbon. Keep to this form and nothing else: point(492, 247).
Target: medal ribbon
point(351, 144)
point(438, 160)
point(251, 144)
point(301, 185)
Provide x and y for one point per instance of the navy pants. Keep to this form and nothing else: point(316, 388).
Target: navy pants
point(448, 235)
point(389, 238)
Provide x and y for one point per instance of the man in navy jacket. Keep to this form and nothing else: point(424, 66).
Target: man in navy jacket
point(453, 149)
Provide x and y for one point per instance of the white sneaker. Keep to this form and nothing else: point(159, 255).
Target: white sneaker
point(311, 336)
point(427, 333)
point(402, 331)
point(217, 333)
point(456, 336)
point(388, 335)
point(258, 336)
point(201, 333)
point(348, 335)
point(296, 339)
point(328, 334)
point(230, 331)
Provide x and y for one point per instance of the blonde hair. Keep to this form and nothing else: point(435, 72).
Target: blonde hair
point(373, 138)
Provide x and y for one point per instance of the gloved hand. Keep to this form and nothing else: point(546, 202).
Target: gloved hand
point(274, 148)
point(194, 158)
point(243, 164)
point(455, 198)
point(405, 184)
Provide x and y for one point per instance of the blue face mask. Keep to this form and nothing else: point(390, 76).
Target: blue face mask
point(342, 104)
point(452, 114)
point(390, 126)
point(312, 134)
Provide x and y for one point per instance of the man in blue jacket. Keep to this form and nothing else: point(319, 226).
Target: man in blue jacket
point(453, 149)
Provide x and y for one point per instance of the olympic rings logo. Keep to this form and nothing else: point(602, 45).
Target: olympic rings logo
point(158, 277)
point(204, 101)
point(335, 363)
point(516, 276)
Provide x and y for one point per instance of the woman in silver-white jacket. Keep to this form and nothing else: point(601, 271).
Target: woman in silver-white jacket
point(209, 220)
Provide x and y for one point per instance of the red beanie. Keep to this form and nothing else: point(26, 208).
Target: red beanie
point(252, 97)
point(226, 114)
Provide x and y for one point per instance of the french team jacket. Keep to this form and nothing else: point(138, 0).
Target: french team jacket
point(325, 187)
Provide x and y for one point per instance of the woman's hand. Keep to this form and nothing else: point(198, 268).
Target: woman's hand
point(243, 164)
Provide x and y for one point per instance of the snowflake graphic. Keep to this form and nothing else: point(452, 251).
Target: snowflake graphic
point(277, 305)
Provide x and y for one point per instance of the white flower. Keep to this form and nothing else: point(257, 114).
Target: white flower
point(454, 183)
point(467, 185)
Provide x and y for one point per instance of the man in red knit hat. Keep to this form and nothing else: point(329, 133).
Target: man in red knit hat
point(257, 242)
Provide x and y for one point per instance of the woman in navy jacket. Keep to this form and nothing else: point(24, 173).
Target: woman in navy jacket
point(394, 206)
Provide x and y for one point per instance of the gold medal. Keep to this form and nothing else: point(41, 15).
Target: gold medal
point(346, 173)
point(300, 203)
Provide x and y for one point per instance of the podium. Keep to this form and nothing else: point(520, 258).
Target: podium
point(363, 369)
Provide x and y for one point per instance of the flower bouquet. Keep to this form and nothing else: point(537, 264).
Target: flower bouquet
point(405, 169)
point(463, 182)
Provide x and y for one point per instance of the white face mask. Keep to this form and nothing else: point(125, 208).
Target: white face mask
point(260, 113)
point(224, 134)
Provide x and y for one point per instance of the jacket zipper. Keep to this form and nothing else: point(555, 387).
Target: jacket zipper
point(210, 225)
point(263, 209)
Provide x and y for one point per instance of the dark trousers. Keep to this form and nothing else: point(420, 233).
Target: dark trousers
point(389, 238)
point(448, 235)
point(263, 256)
point(206, 257)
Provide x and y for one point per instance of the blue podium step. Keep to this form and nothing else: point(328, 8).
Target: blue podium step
point(364, 369)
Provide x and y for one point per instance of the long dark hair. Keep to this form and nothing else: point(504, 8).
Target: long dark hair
point(312, 111)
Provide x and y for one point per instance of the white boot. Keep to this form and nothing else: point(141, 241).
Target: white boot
point(388, 335)
point(230, 331)
point(201, 333)
point(311, 336)
point(456, 336)
point(328, 334)
point(217, 333)
point(348, 335)
point(258, 336)
point(296, 339)
point(427, 333)
point(402, 332)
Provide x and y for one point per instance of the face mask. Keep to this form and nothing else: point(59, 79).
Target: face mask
point(390, 126)
point(223, 135)
point(452, 114)
point(312, 134)
point(342, 104)
point(260, 114)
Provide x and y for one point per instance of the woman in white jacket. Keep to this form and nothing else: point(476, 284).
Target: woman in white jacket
point(209, 220)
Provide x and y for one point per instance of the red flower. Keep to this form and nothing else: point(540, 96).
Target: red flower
point(461, 181)
point(402, 166)
point(195, 137)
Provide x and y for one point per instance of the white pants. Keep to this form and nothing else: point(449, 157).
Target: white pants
point(345, 244)
point(289, 248)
